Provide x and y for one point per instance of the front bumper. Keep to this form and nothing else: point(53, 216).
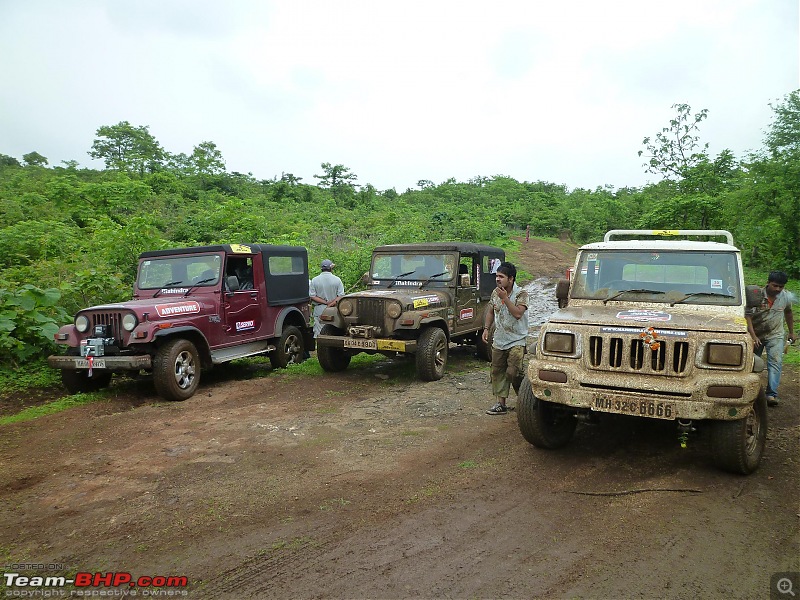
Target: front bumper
point(367, 344)
point(664, 398)
point(110, 363)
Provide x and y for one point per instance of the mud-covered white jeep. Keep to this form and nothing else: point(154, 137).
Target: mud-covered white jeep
point(651, 324)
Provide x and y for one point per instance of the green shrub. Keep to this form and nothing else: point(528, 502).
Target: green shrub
point(29, 318)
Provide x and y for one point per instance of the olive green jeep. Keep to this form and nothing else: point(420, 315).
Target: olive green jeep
point(653, 328)
point(420, 298)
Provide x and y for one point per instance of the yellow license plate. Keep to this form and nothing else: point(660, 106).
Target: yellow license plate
point(394, 345)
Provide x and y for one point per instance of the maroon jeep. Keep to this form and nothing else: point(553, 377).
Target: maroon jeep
point(193, 308)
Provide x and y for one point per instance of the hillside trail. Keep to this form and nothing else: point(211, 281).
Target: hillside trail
point(371, 484)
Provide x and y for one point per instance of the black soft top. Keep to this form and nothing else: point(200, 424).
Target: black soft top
point(464, 247)
point(227, 248)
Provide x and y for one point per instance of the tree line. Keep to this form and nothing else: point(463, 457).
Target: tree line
point(70, 236)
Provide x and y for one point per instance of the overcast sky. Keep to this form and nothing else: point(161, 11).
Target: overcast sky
point(562, 91)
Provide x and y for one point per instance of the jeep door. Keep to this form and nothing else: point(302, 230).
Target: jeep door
point(467, 315)
point(241, 308)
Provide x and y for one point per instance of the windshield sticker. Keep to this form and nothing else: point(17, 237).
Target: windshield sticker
point(644, 315)
point(716, 284)
point(181, 308)
point(633, 331)
point(241, 249)
point(466, 313)
point(425, 301)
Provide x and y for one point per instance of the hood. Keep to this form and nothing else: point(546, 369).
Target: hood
point(659, 317)
point(159, 307)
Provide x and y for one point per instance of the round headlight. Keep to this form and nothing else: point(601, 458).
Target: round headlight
point(129, 322)
point(346, 307)
point(82, 323)
point(394, 310)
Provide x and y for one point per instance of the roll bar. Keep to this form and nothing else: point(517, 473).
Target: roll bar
point(670, 232)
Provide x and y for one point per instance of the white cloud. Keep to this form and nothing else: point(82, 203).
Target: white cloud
point(554, 91)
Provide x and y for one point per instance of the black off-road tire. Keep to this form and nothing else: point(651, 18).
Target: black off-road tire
point(737, 446)
point(176, 370)
point(432, 349)
point(542, 423)
point(78, 381)
point(485, 348)
point(289, 350)
point(331, 359)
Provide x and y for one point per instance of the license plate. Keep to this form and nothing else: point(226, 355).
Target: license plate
point(636, 408)
point(395, 345)
point(361, 343)
point(82, 363)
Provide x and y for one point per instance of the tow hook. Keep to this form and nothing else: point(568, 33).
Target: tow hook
point(684, 429)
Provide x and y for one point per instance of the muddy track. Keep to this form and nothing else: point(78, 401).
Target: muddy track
point(371, 484)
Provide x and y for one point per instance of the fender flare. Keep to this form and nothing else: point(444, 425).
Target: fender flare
point(290, 312)
point(435, 322)
point(194, 335)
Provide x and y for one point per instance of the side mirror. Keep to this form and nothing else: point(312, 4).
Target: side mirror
point(232, 282)
point(562, 292)
point(752, 296)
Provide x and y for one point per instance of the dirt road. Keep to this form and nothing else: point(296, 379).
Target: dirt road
point(371, 484)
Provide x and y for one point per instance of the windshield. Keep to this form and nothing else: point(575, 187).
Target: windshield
point(672, 277)
point(413, 267)
point(179, 271)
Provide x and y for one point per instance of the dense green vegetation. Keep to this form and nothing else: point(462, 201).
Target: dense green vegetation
point(70, 237)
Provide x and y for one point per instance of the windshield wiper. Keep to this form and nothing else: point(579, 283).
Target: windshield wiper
point(641, 291)
point(399, 276)
point(716, 294)
point(432, 277)
point(196, 283)
point(165, 286)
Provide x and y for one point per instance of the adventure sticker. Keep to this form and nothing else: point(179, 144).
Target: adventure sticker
point(466, 313)
point(180, 308)
point(245, 325)
point(644, 315)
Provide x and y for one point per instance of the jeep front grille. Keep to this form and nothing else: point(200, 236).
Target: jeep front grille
point(112, 320)
point(632, 355)
point(370, 311)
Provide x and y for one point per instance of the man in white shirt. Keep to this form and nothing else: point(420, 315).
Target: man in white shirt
point(325, 290)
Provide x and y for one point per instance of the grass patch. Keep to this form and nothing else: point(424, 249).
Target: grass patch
point(334, 503)
point(429, 491)
point(36, 374)
point(34, 412)
point(468, 464)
